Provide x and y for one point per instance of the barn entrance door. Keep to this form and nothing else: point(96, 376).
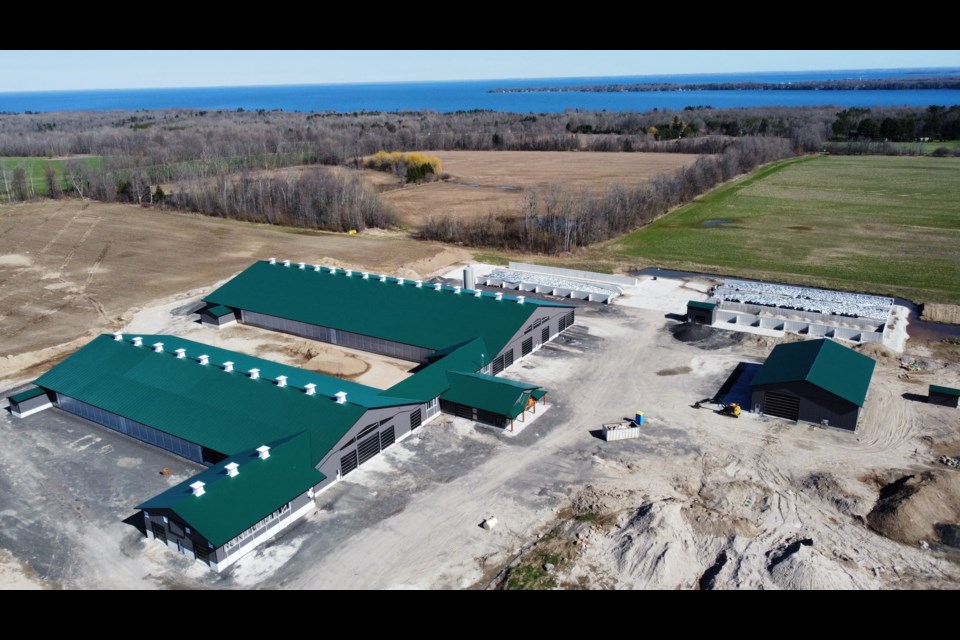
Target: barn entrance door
point(781, 405)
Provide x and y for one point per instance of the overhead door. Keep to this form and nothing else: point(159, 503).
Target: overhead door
point(159, 532)
point(781, 405)
point(463, 411)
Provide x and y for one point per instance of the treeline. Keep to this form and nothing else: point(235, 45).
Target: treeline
point(315, 198)
point(848, 84)
point(562, 219)
point(933, 123)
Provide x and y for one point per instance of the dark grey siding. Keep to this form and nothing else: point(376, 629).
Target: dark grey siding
point(132, 428)
point(472, 413)
point(336, 336)
point(179, 534)
point(209, 318)
point(816, 404)
point(701, 316)
point(357, 445)
point(943, 399)
point(543, 317)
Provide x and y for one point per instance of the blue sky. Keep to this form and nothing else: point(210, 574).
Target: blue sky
point(63, 70)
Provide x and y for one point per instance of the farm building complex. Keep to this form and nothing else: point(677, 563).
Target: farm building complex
point(818, 381)
point(273, 435)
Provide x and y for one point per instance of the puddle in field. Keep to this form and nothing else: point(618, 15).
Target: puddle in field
point(718, 223)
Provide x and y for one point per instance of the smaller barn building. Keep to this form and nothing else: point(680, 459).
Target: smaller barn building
point(816, 381)
point(701, 312)
point(945, 396)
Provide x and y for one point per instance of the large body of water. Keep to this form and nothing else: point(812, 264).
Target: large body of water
point(464, 96)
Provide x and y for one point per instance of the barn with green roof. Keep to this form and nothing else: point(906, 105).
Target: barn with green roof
point(816, 381)
point(272, 435)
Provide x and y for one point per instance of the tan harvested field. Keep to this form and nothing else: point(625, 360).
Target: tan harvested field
point(484, 182)
point(70, 269)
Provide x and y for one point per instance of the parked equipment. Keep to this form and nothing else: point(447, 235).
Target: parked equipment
point(732, 410)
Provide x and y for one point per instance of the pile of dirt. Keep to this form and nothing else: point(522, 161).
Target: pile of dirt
point(324, 359)
point(600, 502)
point(878, 352)
point(917, 509)
point(799, 566)
point(827, 488)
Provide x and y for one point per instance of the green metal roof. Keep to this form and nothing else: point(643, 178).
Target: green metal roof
point(26, 395)
point(203, 404)
point(824, 363)
point(497, 395)
point(696, 304)
point(219, 311)
point(431, 380)
point(230, 506)
point(405, 313)
point(947, 391)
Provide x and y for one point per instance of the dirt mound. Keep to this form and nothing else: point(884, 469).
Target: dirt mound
point(591, 500)
point(319, 357)
point(827, 488)
point(799, 566)
point(878, 352)
point(917, 508)
point(710, 338)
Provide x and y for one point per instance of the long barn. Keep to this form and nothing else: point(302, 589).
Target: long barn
point(271, 435)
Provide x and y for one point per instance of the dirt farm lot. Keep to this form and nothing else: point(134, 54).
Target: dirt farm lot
point(699, 501)
point(485, 182)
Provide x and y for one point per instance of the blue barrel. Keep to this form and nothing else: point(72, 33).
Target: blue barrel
point(639, 419)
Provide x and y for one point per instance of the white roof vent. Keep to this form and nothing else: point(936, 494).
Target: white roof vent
point(232, 469)
point(456, 289)
point(286, 263)
point(301, 265)
point(263, 452)
point(349, 272)
point(477, 293)
point(310, 388)
point(117, 336)
point(138, 341)
point(499, 295)
point(158, 347)
point(366, 276)
point(520, 299)
point(383, 278)
point(181, 353)
point(341, 397)
point(419, 283)
point(228, 366)
point(437, 286)
point(316, 267)
point(281, 381)
point(399, 280)
point(272, 261)
point(204, 359)
point(197, 488)
point(254, 374)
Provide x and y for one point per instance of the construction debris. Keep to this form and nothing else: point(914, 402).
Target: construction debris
point(953, 463)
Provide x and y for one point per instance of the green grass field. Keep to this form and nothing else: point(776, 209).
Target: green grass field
point(34, 169)
point(888, 225)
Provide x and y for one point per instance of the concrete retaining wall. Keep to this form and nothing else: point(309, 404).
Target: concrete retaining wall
point(550, 291)
point(734, 319)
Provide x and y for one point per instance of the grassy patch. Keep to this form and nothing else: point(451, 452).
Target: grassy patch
point(880, 224)
point(34, 168)
point(531, 575)
point(492, 258)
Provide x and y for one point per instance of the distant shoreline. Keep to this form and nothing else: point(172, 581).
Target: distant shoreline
point(873, 84)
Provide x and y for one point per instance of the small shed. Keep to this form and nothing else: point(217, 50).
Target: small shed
point(495, 401)
point(944, 396)
point(217, 316)
point(31, 401)
point(701, 312)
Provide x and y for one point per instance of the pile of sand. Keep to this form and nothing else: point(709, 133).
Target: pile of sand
point(878, 352)
point(316, 356)
point(801, 567)
point(829, 489)
point(915, 508)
